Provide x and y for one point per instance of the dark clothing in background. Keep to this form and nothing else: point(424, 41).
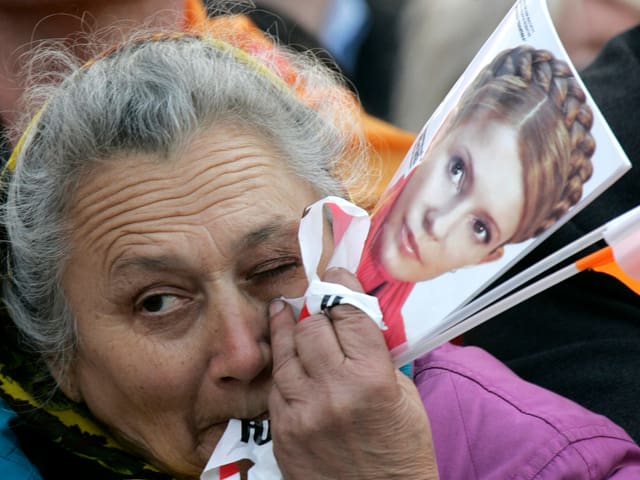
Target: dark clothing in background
point(377, 59)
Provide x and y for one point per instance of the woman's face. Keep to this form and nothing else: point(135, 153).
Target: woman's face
point(461, 205)
point(171, 270)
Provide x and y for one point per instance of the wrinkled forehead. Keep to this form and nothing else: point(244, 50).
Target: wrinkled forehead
point(218, 189)
point(219, 150)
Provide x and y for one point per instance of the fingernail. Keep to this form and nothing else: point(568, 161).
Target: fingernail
point(275, 307)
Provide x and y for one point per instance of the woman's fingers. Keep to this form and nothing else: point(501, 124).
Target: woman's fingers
point(343, 277)
point(323, 344)
point(355, 332)
point(318, 347)
point(301, 350)
point(288, 374)
point(338, 407)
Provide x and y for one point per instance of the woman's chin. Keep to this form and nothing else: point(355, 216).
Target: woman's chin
point(190, 462)
point(396, 265)
point(208, 441)
point(405, 270)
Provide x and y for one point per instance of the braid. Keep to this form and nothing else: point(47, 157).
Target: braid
point(542, 96)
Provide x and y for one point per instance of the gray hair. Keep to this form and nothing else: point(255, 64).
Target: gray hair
point(151, 97)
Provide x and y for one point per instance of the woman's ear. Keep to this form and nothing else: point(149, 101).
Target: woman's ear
point(493, 255)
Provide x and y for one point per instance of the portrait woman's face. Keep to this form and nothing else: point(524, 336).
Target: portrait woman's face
point(459, 207)
point(171, 270)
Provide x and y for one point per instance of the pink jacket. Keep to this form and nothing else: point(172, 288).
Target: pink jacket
point(487, 423)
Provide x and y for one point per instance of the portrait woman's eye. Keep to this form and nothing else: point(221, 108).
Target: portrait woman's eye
point(481, 231)
point(456, 169)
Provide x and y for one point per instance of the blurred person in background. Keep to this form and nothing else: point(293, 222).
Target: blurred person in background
point(585, 26)
point(439, 38)
point(361, 35)
point(24, 24)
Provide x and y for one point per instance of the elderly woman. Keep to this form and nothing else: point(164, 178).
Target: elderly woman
point(151, 212)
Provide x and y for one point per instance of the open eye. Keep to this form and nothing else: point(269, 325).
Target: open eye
point(456, 169)
point(159, 303)
point(161, 311)
point(481, 231)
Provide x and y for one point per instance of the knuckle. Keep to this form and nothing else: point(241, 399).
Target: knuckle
point(312, 325)
point(346, 311)
point(343, 277)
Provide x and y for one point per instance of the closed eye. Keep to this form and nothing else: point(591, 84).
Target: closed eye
point(271, 270)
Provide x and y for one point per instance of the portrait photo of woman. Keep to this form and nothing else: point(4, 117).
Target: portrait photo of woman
point(510, 159)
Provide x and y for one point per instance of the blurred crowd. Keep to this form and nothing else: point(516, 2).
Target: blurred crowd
point(404, 55)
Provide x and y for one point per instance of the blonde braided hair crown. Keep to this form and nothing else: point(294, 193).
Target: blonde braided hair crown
point(540, 69)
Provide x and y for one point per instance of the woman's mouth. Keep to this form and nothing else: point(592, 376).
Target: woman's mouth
point(222, 423)
point(408, 244)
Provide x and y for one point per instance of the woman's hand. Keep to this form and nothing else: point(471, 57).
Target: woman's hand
point(339, 409)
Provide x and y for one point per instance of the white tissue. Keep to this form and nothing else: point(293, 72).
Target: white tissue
point(233, 447)
point(350, 230)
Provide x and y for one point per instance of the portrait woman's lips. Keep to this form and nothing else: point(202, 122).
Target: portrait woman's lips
point(408, 244)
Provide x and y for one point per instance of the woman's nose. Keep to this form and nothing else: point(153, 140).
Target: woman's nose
point(240, 347)
point(438, 223)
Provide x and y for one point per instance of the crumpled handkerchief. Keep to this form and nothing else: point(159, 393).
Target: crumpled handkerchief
point(350, 225)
